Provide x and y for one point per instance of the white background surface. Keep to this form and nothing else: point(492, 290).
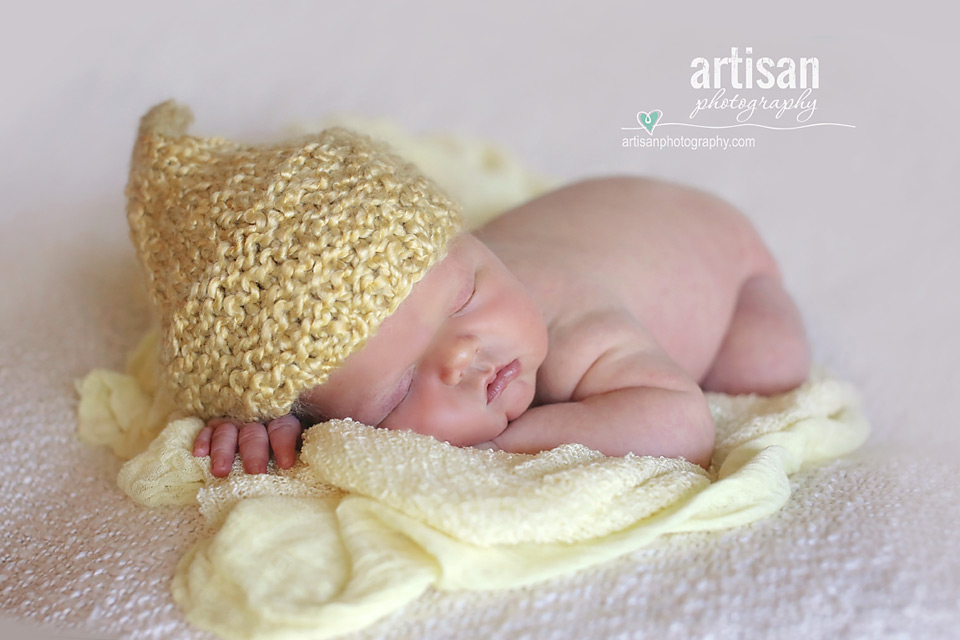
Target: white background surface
point(863, 221)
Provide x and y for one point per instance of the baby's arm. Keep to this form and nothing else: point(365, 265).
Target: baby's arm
point(633, 398)
point(221, 438)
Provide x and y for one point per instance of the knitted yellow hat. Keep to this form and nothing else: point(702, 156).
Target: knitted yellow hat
point(269, 265)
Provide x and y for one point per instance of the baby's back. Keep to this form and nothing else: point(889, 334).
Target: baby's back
point(631, 254)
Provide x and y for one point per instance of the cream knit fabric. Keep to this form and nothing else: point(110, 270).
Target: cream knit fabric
point(369, 519)
point(269, 265)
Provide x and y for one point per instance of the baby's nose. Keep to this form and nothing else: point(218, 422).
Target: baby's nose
point(460, 354)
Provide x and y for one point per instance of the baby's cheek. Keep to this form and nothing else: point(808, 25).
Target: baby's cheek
point(450, 419)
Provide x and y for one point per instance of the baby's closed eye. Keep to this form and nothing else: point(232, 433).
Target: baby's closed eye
point(465, 296)
point(399, 393)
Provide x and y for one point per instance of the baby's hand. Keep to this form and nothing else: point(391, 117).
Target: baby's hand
point(221, 438)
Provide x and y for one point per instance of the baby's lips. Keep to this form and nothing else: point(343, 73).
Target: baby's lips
point(505, 375)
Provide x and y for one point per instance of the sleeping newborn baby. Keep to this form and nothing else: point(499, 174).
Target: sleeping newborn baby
point(598, 313)
point(593, 314)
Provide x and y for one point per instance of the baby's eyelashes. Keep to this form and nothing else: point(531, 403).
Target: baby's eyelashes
point(465, 296)
point(467, 303)
point(399, 393)
point(405, 386)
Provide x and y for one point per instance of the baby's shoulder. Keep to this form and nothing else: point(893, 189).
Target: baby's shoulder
point(581, 334)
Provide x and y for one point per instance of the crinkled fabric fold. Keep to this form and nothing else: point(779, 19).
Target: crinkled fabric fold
point(368, 519)
point(124, 411)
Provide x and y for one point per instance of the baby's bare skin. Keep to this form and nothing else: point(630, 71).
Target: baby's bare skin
point(664, 261)
point(651, 276)
point(649, 293)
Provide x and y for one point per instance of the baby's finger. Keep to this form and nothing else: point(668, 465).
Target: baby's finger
point(254, 447)
point(284, 433)
point(201, 444)
point(223, 449)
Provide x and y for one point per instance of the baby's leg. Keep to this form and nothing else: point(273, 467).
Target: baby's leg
point(765, 349)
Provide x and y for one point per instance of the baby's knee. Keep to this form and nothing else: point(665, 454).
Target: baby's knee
point(774, 312)
point(766, 349)
point(790, 366)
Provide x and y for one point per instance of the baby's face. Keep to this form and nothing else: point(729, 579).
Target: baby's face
point(458, 359)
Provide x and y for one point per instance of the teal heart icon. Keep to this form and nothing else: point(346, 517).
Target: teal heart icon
point(649, 120)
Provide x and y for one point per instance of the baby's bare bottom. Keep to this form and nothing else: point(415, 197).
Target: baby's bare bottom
point(765, 349)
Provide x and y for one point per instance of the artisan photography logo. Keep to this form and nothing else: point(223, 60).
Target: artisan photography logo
point(738, 92)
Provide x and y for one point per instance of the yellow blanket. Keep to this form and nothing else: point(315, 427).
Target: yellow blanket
point(369, 519)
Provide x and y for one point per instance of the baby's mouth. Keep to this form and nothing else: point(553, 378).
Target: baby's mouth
point(505, 375)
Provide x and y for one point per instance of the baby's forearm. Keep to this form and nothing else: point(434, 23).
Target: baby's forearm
point(639, 420)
